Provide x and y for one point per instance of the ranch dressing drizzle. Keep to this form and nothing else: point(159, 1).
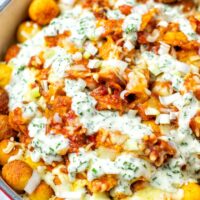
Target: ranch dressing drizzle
point(46, 146)
point(84, 106)
point(172, 69)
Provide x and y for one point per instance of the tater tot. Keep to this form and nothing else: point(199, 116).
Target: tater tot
point(27, 30)
point(5, 129)
point(5, 74)
point(17, 174)
point(4, 99)
point(4, 157)
point(43, 11)
point(12, 52)
point(191, 191)
point(42, 192)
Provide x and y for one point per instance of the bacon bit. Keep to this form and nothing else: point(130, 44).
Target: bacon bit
point(100, 3)
point(156, 150)
point(4, 99)
point(76, 141)
point(142, 38)
point(12, 52)
point(198, 26)
point(125, 9)
point(52, 41)
point(102, 184)
point(57, 181)
point(112, 28)
point(17, 122)
point(108, 98)
point(36, 62)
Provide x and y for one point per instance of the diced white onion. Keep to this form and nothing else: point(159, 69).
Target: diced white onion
point(99, 31)
point(153, 37)
point(77, 56)
point(90, 48)
point(122, 94)
point(164, 48)
point(78, 67)
point(95, 63)
point(151, 111)
point(33, 183)
point(45, 85)
point(163, 23)
point(128, 45)
point(167, 100)
point(115, 63)
point(173, 115)
point(182, 67)
point(163, 119)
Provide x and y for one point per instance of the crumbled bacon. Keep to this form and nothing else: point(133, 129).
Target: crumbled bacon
point(125, 9)
point(108, 98)
point(156, 150)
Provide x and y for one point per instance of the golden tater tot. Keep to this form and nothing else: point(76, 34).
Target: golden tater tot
point(5, 129)
point(4, 99)
point(4, 157)
point(17, 174)
point(42, 192)
point(27, 30)
point(5, 74)
point(43, 11)
point(12, 52)
point(191, 191)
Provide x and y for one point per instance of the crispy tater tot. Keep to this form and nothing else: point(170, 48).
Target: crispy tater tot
point(191, 191)
point(42, 192)
point(17, 174)
point(12, 52)
point(4, 156)
point(4, 99)
point(5, 129)
point(43, 11)
point(5, 74)
point(27, 30)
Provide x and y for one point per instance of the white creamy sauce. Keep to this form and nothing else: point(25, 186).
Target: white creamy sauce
point(172, 69)
point(46, 145)
point(19, 86)
point(29, 110)
point(84, 106)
